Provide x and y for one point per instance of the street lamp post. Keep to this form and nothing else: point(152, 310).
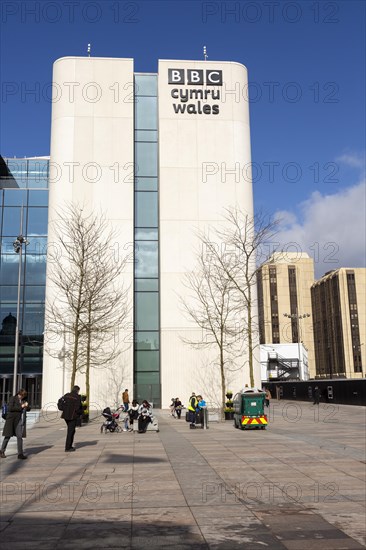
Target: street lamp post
point(296, 316)
point(18, 248)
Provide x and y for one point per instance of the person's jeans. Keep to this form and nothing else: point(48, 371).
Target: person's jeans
point(143, 423)
point(192, 417)
point(71, 427)
point(19, 436)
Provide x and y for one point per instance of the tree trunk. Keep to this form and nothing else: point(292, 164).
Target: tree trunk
point(250, 343)
point(76, 337)
point(88, 358)
point(223, 382)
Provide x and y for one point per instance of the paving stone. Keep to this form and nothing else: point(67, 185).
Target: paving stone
point(291, 486)
point(47, 532)
point(328, 544)
point(38, 544)
point(42, 518)
point(4, 525)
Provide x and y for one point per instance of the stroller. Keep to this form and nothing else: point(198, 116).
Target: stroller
point(111, 420)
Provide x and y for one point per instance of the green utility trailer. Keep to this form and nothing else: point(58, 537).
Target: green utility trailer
point(249, 409)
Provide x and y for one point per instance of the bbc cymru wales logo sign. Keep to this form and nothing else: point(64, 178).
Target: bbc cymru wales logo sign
point(194, 101)
point(196, 77)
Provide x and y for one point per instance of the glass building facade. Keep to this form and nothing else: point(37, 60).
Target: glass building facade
point(23, 194)
point(24, 191)
point(147, 383)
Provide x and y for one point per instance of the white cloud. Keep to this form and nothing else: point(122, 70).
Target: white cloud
point(331, 229)
point(354, 160)
point(287, 218)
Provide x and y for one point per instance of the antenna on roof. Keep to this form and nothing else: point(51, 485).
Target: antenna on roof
point(205, 53)
point(89, 49)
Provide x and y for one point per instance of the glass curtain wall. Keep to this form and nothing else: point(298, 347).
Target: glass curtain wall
point(146, 220)
point(28, 188)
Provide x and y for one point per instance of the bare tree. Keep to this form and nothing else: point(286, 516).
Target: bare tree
point(223, 299)
point(210, 305)
point(90, 302)
point(106, 308)
point(243, 237)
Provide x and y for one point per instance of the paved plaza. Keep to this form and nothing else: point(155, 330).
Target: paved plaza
point(299, 485)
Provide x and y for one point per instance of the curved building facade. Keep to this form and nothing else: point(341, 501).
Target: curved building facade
point(160, 156)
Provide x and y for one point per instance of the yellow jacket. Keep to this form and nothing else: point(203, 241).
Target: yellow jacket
point(192, 403)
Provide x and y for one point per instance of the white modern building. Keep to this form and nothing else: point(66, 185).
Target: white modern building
point(161, 156)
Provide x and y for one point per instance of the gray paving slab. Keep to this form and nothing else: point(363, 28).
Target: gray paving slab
point(297, 485)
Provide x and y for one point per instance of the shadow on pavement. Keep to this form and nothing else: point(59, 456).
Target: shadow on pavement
point(127, 459)
point(39, 449)
point(49, 533)
point(86, 444)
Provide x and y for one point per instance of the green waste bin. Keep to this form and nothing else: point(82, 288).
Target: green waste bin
point(249, 410)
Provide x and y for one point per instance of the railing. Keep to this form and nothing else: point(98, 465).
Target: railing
point(287, 369)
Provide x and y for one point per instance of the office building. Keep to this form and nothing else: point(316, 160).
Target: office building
point(159, 155)
point(339, 320)
point(284, 303)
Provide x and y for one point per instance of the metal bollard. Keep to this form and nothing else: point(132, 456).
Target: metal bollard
point(205, 418)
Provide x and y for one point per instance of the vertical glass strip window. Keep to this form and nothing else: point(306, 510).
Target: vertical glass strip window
point(146, 260)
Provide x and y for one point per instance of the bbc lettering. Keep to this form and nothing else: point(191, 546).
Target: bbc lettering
point(195, 77)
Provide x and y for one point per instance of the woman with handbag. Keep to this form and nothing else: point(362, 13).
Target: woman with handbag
point(15, 423)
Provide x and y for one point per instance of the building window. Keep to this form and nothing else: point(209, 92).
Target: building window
point(31, 177)
point(146, 245)
point(274, 305)
point(293, 303)
point(355, 331)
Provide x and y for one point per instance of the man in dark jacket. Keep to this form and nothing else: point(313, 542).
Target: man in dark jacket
point(15, 423)
point(316, 395)
point(71, 411)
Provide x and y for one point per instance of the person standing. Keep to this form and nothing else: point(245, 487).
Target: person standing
point(316, 395)
point(71, 411)
point(172, 407)
point(125, 399)
point(15, 423)
point(267, 397)
point(201, 406)
point(192, 406)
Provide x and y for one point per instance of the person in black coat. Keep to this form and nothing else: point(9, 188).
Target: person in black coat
point(72, 410)
point(316, 395)
point(178, 407)
point(145, 416)
point(15, 423)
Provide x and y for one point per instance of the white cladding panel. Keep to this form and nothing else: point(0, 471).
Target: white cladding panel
point(204, 168)
point(92, 144)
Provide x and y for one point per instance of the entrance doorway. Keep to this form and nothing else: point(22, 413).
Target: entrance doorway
point(6, 389)
point(33, 385)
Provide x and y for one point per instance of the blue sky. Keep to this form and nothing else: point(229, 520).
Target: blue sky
point(306, 63)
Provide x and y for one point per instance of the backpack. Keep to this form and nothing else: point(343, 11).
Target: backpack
point(4, 411)
point(61, 403)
